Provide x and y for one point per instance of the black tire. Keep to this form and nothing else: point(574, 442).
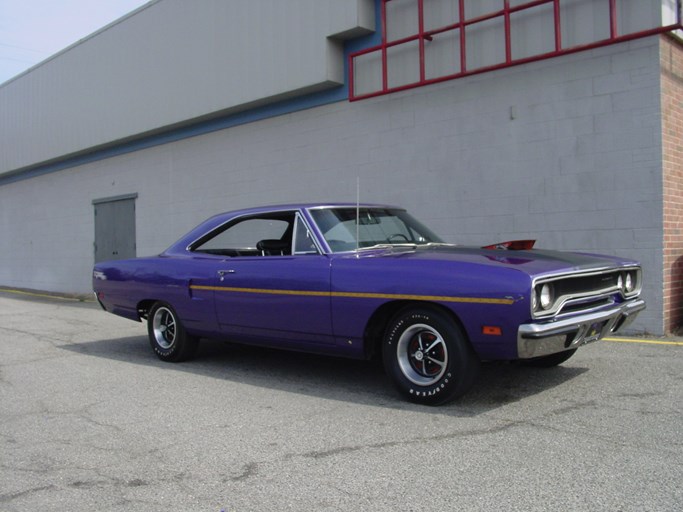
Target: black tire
point(550, 360)
point(427, 356)
point(167, 336)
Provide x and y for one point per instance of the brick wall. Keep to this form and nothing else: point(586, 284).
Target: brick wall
point(671, 57)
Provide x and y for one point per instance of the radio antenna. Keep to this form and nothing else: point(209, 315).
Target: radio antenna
point(357, 214)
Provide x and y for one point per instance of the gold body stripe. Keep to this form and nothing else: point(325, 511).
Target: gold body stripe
point(355, 295)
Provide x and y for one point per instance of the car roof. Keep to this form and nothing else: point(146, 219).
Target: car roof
point(308, 206)
point(219, 219)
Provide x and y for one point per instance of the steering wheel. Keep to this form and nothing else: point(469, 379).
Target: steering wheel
point(390, 238)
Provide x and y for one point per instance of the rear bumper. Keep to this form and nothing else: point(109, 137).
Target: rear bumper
point(97, 298)
point(542, 339)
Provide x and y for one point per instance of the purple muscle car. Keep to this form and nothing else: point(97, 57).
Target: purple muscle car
point(370, 280)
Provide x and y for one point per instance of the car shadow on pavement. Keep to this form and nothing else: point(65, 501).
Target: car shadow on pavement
point(362, 382)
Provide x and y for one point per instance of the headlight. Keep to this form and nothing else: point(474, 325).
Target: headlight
point(545, 297)
point(629, 282)
point(620, 282)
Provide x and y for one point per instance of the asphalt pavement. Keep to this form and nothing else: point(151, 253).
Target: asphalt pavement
point(91, 420)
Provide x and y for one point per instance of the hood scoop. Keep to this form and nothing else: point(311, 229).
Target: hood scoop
point(512, 245)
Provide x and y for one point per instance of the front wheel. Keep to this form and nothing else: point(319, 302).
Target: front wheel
point(427, 356)
point(167, 335)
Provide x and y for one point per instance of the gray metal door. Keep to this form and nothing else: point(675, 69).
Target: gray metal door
point(114, 228)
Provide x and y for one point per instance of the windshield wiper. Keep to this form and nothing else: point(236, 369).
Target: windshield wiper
point(389, 246)
point(438, 244)
point(406, 245)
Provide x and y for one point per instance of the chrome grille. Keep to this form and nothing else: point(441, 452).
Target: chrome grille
point(586, 291)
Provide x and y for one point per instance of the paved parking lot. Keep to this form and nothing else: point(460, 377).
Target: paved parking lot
point(91, 420)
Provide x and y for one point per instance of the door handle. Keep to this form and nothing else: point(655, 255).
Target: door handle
point(221, 273)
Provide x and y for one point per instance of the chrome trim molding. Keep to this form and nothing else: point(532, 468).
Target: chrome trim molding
point(192, 246)
point(569, 299)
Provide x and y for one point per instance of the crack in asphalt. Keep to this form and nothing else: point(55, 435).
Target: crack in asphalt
point(391, 444)
point(100, 481)
point(251, 469)
point(6, 498)
point(248, 470)
point(571, 408)
point(108, 482)
point(32, 334)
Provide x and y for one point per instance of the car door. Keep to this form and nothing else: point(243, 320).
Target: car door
point(277, 284)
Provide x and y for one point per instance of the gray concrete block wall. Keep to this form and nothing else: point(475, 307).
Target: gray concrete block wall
point(567, 151)
point(170, 62)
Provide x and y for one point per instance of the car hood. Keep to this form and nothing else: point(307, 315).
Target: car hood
point(534, 262)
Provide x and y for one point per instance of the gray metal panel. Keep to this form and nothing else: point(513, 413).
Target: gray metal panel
point(170, 62)
point(115, 198)
point(114, 229)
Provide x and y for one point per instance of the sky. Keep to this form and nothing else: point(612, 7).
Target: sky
point(33, 30)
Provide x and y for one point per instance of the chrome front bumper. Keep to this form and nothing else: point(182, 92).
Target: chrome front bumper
point(542, 339)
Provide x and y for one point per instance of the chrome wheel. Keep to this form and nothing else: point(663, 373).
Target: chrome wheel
point(422, 354)
point(427, 356)
point(167, 336)
point(164, 327)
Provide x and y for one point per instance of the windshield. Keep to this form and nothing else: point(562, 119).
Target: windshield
point(376, 226)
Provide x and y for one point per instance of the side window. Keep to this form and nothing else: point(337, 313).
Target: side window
point(254, 236)
point(303, 239)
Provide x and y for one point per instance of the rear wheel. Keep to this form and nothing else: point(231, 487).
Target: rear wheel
point(427, 356)
point(167, 336)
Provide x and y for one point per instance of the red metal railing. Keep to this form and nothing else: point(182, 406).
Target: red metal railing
point(421, 36)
